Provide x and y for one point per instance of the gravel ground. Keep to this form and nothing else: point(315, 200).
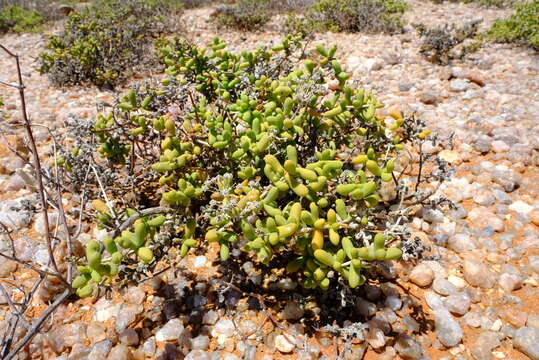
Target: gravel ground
point(475, 296)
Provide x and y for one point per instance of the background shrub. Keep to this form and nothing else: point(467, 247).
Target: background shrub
point(47, 9)
point(439, 43)
point(245, 15)
point(107, 41)
point(188, 4)
point(522, 27)
point(17, 19)
point(265, 152)
point(372, 16)
point(486, 3)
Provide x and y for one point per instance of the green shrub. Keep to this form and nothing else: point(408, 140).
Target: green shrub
point(372, 16)
point(189, 4)
point(485, 3)
point(438, 43)
point(261, 151)
point(304, 26)
point(283, 6)
point(107, 41)
point(493, 3)
point(522, 27)
point(245, 15)
point(19, 20)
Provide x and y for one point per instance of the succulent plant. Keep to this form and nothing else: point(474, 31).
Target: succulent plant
point(275, 154)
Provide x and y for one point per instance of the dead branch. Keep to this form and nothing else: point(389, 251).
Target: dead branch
point(9, 346)
point(37, 324)
point(37, 162)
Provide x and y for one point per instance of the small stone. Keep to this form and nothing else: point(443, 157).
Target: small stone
point(499, 146)
point(105, 310)
point(450, 156)
point(120, 352)
point(443, 287)
point(292, 311)
point(96, 332)
point(373, 292)
point(283, 344)
point(135, 295)
point(483, 197)
point(389, 353)
point(473, 76)
point(483, 346)
point(15, 183)
point(13, 215)
point(248, 328)
point(73, 333)
point(534, 216)
point(386, 315)
point(210, 317)
point(199, 261)
point(365, 308)
point(393, 302)
point(100, 350)
point(433, 300)
point(533, 321)
point(129, 337)
point(458, 303)
point(515, 317)
point(521, 207)
point(460, 243)
point(403, 86)
point(200, 342)
point(508, 331)
point(459, 85)
point(447, 328)
point(224, 327)
point(502, 197)
point(472, 319)
point(422, 275)
point(79, 352)
point(127, 316)
point(410, 323)
point(408, 348)
point(457, 281)
point(286, 284)
point(149, 347)
point(39, 224)
point(478, 274)
point(197, 355)
point(375, 337)
point(433, 216)
point(483, 144)
point(526, 340)
point(170, 351)
point(428, 97)
point(510, 282)
point(171, 331)
point(7, 267)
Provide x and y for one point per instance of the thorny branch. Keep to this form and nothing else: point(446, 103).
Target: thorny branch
point(9, 346)
point(37, 161)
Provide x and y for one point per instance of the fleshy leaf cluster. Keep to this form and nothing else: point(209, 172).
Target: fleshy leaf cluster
point(273, 152)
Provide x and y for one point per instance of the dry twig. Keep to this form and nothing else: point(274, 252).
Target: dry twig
point(9, 346)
